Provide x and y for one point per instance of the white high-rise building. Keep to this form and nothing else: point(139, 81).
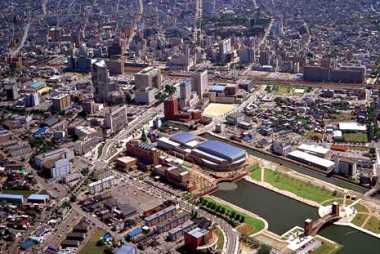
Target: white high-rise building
point(200, 82)
point(101, 81)
point(117, 119)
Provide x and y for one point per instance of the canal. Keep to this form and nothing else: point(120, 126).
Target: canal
point(294, 166)
point(283, 213)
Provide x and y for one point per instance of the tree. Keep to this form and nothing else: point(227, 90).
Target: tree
point(264, 249)
point(170, 90)
point(108, 250)
point(144, 137)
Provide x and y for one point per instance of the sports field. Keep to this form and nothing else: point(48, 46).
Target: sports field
point(218, 109)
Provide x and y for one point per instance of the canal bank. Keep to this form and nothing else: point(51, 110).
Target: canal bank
point(283, 213)
point(292, 165)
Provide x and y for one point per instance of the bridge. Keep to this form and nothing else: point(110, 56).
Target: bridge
point(312, 228)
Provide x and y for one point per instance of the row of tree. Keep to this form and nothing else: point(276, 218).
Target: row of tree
point(233, 216)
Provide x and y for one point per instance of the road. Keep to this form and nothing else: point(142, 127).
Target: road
point(135, 125)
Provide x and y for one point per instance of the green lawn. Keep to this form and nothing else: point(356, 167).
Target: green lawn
point(359, 219)
point(373, 225)
point(302, 189)
point(327, 248)
point(256, 224)
point(355, 137)
point(91, 247)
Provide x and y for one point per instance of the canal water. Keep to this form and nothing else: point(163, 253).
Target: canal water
point(283, 213)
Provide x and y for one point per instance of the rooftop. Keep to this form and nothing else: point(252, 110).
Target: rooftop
point(183, 137)
point(352, 126)
point(198, 232)
point(312, 158)
point(221, 149)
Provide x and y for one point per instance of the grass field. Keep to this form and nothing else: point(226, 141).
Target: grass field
point(327, 248)
point(91, 247)
point(355, 137)
point(256, 224)
point(302, 189)
point(373, 225)
point(359, 219)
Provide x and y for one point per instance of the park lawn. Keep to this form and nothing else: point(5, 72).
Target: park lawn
point(302, 189)
point(359, 219)
point(91, 247)
point(355, 137)
point(373, 225)
point(220, 242)
point(255, 223)
point(327, 248)
point(256, 172)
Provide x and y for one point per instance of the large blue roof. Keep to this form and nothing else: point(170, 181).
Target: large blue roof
point(182, 137)
point(221, 149)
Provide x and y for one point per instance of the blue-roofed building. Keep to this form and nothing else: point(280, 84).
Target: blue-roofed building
point(183, 137)
point(217, 88)
point(134, 233)
point(27, 244)
point(215, 155)
point(126, 249)
point(38, 198)
point(12, 198)
point(41, 132)
point(222, 150)
point(37, 84)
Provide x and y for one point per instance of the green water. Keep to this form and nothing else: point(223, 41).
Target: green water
point(283, 213)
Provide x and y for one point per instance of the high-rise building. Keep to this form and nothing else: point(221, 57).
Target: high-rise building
point(101, 81)
point(200, 82)
point(185, 90)
point(32, 100)
point(61, 102)
point(116, 119)
point(12, 91)
point(149, 77)
point(171, 108)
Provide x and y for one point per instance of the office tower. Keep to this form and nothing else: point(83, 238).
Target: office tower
point(101, 81)
point(200, 82)
point(32, 100)
point(61, 102)
point(149, 77)
point(116, 119)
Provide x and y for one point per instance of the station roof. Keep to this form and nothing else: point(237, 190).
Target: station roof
point(351, 126)
point(312, 159)
point(183, 137)
point(221, 149)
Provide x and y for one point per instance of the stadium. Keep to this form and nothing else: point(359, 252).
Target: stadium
point(212, 154)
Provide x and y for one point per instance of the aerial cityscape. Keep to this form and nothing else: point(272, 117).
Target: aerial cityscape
point(190, 126)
